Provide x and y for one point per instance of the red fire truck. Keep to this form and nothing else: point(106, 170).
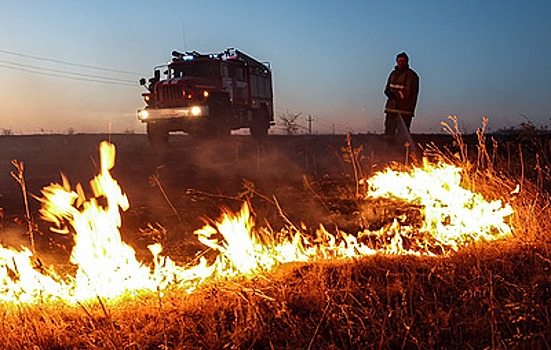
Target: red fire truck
point(208, 95)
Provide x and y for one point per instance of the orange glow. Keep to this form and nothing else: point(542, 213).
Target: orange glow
point(453, 215)
point(107, 267)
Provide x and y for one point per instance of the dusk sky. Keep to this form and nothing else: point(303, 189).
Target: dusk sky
point(330, 59)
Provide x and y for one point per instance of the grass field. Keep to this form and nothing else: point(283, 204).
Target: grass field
point(486, 295)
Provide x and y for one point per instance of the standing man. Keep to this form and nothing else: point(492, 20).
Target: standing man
point(401, 89)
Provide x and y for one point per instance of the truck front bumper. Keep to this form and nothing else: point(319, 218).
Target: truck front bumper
point(155, 114)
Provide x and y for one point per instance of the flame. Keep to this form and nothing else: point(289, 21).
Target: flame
point(21, 281)
point(453, 216)
point(107, 267)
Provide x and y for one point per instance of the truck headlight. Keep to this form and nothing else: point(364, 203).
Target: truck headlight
point(195, 111)
point(143, 114)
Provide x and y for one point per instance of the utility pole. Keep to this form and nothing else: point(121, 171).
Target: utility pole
point(309, 120)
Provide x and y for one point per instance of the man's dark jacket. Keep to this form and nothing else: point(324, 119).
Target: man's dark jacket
point(402, 89)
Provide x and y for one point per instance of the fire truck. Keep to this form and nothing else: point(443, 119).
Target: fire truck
point(208, 95)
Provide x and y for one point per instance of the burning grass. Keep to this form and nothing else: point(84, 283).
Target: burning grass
point(407, 283)
point(481, 298)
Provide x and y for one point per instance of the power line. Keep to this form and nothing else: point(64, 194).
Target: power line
point(68, 63)
point(61, 75)
point(78, 74)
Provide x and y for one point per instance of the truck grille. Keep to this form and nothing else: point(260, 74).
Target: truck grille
point(167, 93)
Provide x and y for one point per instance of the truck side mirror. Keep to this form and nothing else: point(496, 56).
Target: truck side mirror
point(142, 81)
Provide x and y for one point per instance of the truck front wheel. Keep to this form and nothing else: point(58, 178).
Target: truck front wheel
point(219, 119)
point(260, 124)
point(157, 136)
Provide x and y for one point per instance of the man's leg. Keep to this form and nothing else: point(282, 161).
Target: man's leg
point(407, 121)
point(391, 128)
point(391, 125)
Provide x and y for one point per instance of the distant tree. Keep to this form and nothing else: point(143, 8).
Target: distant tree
point(289, 123)
point(525, 130)
point(7, 132)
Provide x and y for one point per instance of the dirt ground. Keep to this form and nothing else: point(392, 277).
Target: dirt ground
point(301, 179)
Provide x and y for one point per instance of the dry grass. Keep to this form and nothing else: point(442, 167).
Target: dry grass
point(489, 295)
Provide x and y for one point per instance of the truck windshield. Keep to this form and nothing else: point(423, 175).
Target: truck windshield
point(195, 69)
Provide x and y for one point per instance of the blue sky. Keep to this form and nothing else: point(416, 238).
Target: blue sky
point(330, 59)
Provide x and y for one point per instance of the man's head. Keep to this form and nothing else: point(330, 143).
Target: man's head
point(402, 60)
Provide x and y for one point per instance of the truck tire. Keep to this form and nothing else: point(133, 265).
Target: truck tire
point(260, 124)
point(157, 136)
point(220, 122)
point(219, 116)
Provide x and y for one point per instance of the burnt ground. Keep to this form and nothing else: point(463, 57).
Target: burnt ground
point(306, 178)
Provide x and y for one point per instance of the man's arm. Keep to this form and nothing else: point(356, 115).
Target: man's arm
point(412, 86)
point(388, 91)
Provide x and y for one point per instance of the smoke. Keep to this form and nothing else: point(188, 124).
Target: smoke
point(198, 176)
point(233, 158)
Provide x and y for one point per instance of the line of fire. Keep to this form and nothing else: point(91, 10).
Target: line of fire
point(453, 217)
